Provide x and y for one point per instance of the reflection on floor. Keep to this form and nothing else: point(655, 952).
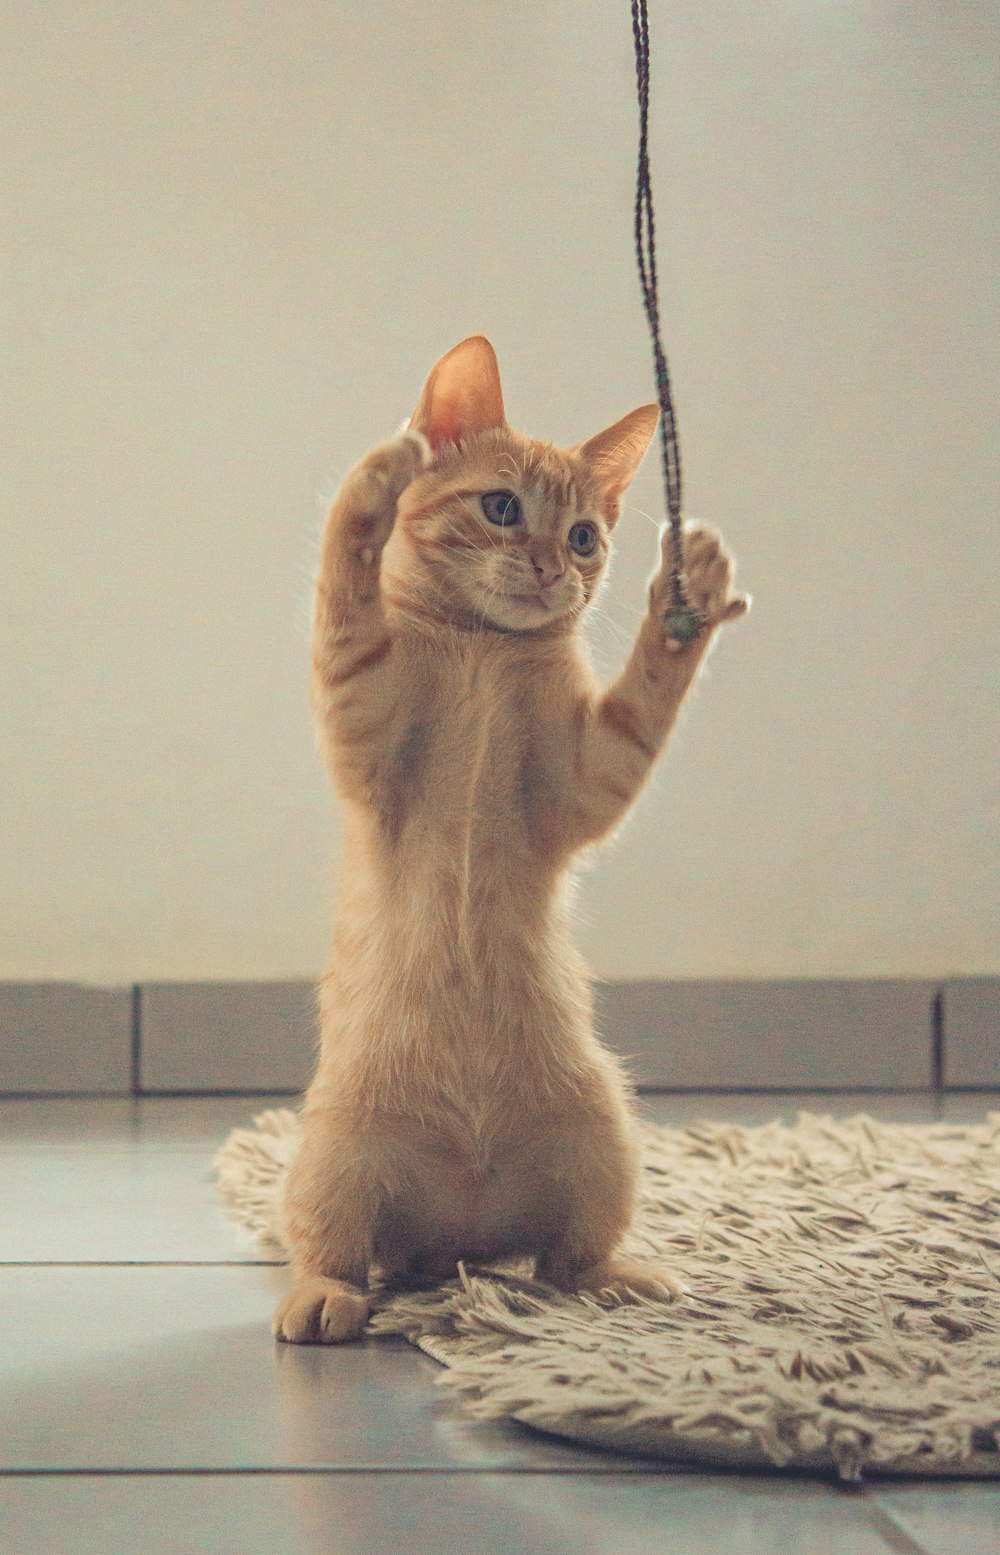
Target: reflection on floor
point(144, 1407)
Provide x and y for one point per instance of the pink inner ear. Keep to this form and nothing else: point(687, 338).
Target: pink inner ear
point(462, 395)
point(615, 453)
point(449, 416)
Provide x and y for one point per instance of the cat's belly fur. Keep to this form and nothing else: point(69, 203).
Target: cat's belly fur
point(458, 1057)
point(449, 1211)
point(471, 1082)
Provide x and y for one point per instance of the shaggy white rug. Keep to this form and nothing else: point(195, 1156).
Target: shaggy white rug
point(844, 1310)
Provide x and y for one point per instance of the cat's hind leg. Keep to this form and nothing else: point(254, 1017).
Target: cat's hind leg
point(623, 1277)
point(595, 1191)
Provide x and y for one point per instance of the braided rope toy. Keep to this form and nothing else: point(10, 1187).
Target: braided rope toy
point(681, 621)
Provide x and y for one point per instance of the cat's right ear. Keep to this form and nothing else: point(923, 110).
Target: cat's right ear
point(462, 395)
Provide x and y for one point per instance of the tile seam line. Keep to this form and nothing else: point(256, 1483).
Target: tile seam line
point(147, 1095)
point(847, 1088)
point(977, 1088)
point(666, 1470)
point(142, 1263)
point(892, 1532)
point(136, 1041)
point(939, 1039)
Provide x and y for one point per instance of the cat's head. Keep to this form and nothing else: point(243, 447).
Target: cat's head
point(503, 530)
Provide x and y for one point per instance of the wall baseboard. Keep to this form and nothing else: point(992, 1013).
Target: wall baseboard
point(65, 1038)
point(971, 1032)
point(794, 1034)
point(688, 1034)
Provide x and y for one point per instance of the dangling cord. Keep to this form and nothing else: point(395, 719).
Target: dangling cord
point(681, 621)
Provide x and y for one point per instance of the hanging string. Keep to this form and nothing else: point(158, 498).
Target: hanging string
point(681, 621)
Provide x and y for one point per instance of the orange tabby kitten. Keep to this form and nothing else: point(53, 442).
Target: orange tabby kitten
point(463, 1107)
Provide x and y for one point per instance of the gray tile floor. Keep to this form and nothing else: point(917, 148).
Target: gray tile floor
point(144, 1407)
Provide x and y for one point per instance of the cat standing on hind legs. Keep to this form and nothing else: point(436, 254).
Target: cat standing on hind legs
point(462, 1106)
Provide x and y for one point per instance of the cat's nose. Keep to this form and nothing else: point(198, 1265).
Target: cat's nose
point(548, 570)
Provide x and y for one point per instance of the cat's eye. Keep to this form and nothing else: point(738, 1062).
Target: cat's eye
point(583, 539)
point(501, 507)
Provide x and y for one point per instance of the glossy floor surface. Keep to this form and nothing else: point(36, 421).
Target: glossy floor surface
point(145, 1408)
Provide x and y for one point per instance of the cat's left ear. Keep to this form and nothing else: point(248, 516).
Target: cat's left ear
point(615, 454)
point(462, 395)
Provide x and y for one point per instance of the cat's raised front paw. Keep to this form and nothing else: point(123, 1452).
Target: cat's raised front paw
point(373, 488)
point(708, 570)
point(320, 1311)
point(393, 465)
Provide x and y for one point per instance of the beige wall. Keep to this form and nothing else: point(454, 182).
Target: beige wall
point(236, 236)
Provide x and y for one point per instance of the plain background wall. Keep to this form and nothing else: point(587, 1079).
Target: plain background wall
point(235, 237)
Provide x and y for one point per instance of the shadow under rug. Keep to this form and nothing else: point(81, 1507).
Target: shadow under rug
point(844, 1306)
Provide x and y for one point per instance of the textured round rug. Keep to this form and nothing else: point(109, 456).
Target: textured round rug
point(843, 1315)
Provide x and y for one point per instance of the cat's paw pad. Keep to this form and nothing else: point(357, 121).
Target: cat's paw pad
point(319, 1311)
point(708, 569)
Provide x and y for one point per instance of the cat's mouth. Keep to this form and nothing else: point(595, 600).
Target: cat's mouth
point(522, 607)
point(538, 607)
point(549, 602)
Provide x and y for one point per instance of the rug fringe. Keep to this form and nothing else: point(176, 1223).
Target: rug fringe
point(844, 1312)
point(250, 1170)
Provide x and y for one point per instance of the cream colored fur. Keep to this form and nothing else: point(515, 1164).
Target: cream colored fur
point(462, 1105)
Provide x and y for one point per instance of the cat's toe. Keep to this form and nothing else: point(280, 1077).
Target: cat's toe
point(343, 1317)
point(709, 569)
point(319, 1311)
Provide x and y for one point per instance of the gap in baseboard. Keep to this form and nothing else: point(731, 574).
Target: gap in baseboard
point(136, 1039)
point(937, 1040)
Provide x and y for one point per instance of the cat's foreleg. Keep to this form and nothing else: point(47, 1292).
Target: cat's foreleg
point(329, 1216)
point(320, 1310)
point(352, 637)
point(625, 728)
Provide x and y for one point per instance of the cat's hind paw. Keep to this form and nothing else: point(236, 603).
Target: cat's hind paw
point(628, 1278)
point(321, 1311)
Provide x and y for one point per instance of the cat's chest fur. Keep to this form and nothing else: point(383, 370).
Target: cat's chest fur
point(482, 749)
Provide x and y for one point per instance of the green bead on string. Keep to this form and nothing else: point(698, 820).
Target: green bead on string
point(683, 623)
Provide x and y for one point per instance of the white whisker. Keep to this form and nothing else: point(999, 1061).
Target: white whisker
point(625, 639)
point(630, 507)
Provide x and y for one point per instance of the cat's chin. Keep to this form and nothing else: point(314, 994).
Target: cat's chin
point(524, 612)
